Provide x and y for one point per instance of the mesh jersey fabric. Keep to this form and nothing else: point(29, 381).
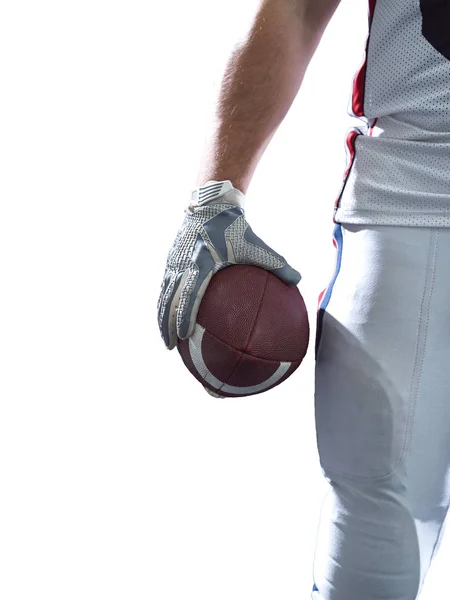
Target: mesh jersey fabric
point(398, 161)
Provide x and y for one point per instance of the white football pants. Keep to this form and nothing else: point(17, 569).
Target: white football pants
point(382, 408)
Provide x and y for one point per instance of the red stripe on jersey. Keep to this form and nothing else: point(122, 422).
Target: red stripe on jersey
point(351, 152)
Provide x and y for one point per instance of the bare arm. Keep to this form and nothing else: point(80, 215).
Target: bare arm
point(261, 80)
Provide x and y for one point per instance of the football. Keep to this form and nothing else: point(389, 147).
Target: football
point(251, 334)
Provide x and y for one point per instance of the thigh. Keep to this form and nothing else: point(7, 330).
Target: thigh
point(372, 325)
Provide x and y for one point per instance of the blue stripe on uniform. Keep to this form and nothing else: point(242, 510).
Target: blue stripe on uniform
point(337, 235)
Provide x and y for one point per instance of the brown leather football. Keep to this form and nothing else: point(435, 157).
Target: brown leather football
point(252, 333)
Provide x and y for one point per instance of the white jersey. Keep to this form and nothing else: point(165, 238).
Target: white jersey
point(399, 160)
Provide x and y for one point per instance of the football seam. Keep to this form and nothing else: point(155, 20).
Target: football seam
point(272, 360)
point(249, 335)
point(257, 312)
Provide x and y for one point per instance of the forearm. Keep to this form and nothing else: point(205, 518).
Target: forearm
point(261, 80)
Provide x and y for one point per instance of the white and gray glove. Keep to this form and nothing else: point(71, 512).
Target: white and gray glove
point(214, 235)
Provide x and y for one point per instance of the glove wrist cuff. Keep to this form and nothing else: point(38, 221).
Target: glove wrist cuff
point(217, 191)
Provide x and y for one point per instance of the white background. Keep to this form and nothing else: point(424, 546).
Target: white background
point(120, 478)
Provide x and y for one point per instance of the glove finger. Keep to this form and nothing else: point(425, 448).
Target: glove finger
point(287, 274)
point(201, 271)
point(273, 261)
point(167, 308)
point(187, 321)
point(213, 394)
point(159, 309)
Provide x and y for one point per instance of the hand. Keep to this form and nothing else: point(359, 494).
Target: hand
point(214, 235)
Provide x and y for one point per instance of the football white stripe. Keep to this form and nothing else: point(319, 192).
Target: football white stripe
point(195, 349)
